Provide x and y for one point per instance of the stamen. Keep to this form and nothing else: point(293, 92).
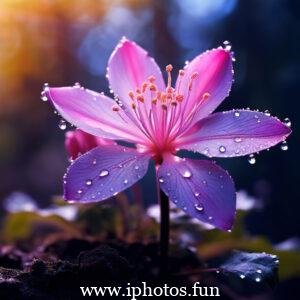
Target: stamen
point(138, 91)
point(131, 95)
point(115, 107)
point(193, 76)
point(205, 96)
point(151, 79)
point(144, 86)
point(152, 87)
point(179, 98)
point(140, 98)
point(169, 69)
point(173, 102)
point(181, 73)
point(133, 105)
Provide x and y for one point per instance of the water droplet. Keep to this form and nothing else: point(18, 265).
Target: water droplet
point(199, 207)
point(242, 276)
point(257, 279)
point(88, 182)
point(227, 45)
point(222, 149)
point(284, 146)
point(94, 161)
point(62, 124)
point(210, 218)
point(259, 271)
point(79, 191)
point(44, 96)
point(136, 167)
point(103, 173)
point(237, 140)
point(77, 85)
point(251, 159)
point(125, 181)
point(187, 174)
point(184, 208)
point(46, 86)
point(267, 113)
point(237, 114)
point(196, 194)
point(161, 180)
point(168, 174)
point(287, 122)
point(204, 181)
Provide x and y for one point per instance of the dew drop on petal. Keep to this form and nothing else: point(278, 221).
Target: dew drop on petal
point(44, 96)
point(267, 113)
point(125, 181)
point(136, 167)
point(88, 182)
point(251, 159)
point(199, 207)
point(222, 149)
point(94, 162)
point(187, 174)
point(196, 194)
point(259, 271)
point(237, 140)
point(79, 191)
point(242, 276)
point(284, 146)
point(287, 122)
point(161, 180)
point(62, 124)
point(103, 173)
point(257, 279)
point(237, 114)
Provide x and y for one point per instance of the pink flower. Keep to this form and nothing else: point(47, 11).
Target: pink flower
point(160, 119)
point(78, 142)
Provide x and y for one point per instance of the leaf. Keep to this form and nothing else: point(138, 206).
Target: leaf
point(259, 268)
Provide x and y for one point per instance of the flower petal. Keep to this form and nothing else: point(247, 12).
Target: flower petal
point(215, 74)
point(103, 172)
point(92, 112)
point(78, 142)
point(234, 133)
point(128, 67)
point(201, 188)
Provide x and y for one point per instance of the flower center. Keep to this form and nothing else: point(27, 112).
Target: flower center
point(163, 115)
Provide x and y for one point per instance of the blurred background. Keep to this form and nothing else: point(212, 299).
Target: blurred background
point(62, 42)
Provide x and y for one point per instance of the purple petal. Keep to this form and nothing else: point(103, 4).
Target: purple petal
point(128, 67)
point(103, 172)
point(92, 112)
point(200, 188)
point(215, 74)
point(234, 133)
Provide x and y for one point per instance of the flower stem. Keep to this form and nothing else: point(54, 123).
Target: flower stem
point(164, 228)
point(164, 233)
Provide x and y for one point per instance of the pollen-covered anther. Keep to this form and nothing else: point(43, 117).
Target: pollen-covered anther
point(131, 95)
point(140, 98)
point(138, 91)
point(151, 79)
point(154, 101)
point(169, 90)
point(181, 73)
point(174, 102)
point(205, 96)
point(179, 98)
point(164, 106)
point(152, 87)
point(194, 75)
point(169, 68)
point(115, 107)
point(144, 86)
point(133, 105)
point(192, 78)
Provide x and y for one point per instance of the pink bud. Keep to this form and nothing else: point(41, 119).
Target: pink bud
point(78, 142)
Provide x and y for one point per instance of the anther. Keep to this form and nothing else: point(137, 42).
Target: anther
point(140, 98)
point(138, 91)
point(131, 95)
point(179, 98)
point(169, 68)
point(169, 90)
point(205, 96)
point(144, 86)
point(154, 101)
point(164, 106)
point(152, 87)
point(181, 73)
point(115, 108)
point(194, 75)
point(151, 79)
point(133, 105)
point(173, 102)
